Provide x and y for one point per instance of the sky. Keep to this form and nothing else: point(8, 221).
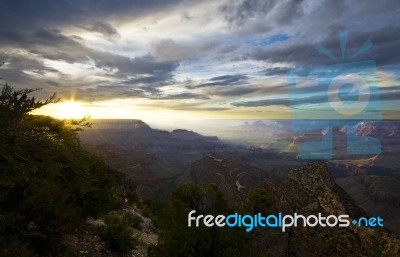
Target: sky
point(221, 59)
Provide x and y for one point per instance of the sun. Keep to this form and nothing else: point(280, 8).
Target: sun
point(65, 110)
point(71, 110)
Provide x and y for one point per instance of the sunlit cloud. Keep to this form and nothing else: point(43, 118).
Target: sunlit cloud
point(221, 59)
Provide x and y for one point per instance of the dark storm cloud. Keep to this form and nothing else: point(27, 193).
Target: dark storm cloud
point(33, 32)
point(35, 27)
point(237, 91)
point(386, 94)
point(372, 9)
point(23, 62)
point(181, 96)
point(240, 12)
point(34, 14)
point(103, 28)
point(289, 10)
point(121, 91)
point(386, 45)
point(17, 66)
point(390, 93)
point(275, 71)
point(52, 45)
point(131, 66)
point(162, 79)
point(228, 49)
point(224, 80)
point(267, 102)
point(171, 50)
point(377, 21)
point(384, 52)
point(313, 99)
point(52, 83)
point(299, 54)
point(260, 89)
point(110, 91)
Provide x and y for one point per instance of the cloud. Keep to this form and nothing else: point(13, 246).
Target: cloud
point(146, 49)
point(22, 70)
point(235, 91)
point(385, 41)
point(170, 50)
point(390, 93)
point(27, 67)
point(32, 14)
point(228, 49)
point(275, 71)
point(266, 102)
point(52, 45)
point(162, 79)
point(181, 96)
point(241, 13)
point(265, 41)
point(104, 28)
point(319, 98)
point(224, 80)
point(289, 10)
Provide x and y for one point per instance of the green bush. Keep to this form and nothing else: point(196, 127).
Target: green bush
point(49, 183)
point(177, 239)
point(16, 247)
point(118, 233)
point(134, 220)
point(258, 200)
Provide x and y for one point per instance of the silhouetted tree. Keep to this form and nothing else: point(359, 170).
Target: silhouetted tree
point(177, 239)
point(258, 200)
point(16, 103)
point(49, 183)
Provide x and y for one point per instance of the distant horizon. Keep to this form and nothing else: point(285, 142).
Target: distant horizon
point(217, 127)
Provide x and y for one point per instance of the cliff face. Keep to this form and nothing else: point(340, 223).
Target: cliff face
point(313, 185)
point(310, 190)
point(128, 134)
point(232, 177)
point(155, 160)
point(383, 129)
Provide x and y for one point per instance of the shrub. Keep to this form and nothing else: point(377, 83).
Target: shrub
point(49, 183)
point(134, 220)
point(258, 200)
point(15, 247)
point(118, 233)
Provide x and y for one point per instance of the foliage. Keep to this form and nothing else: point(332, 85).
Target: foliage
point(118, 233)
point(16, 247)
point(377, 243)
point(16, 103)
point(134, 220)
point(258, 200)
point(49, 183)
point(177, 239)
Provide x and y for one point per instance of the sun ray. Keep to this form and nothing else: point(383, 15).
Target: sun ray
point(64, 110)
